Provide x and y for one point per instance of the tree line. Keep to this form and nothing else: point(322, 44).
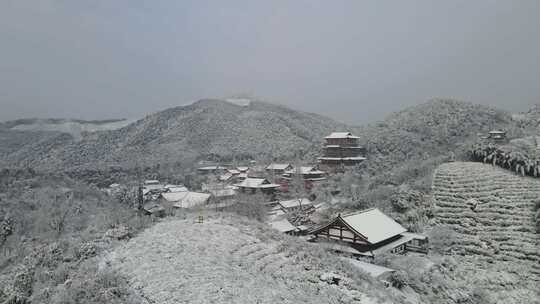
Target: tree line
point(516, 161)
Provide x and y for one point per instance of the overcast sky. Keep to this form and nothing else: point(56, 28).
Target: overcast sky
point(354, 60)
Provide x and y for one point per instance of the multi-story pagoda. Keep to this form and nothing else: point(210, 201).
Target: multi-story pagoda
point(341, 149)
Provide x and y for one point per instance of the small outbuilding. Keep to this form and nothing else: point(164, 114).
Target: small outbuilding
point(154, 208)
point(497, 135)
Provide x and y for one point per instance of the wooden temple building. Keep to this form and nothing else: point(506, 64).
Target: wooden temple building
point(254, 185)
point(341, 149)
point(369, 233)
point(307, 173)
point(278, 169)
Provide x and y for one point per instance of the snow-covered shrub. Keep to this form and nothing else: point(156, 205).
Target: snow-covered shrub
point(442, 239)
point(399, 279)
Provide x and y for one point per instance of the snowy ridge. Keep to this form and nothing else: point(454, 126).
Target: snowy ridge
point(223, 261)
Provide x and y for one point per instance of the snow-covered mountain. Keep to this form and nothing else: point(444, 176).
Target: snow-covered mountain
point(208, 128)
point(247, 129)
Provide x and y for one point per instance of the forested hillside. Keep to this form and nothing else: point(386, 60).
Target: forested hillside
point(207, 129)
point(429, 130)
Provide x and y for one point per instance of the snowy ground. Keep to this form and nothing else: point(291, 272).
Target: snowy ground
point(223, 261)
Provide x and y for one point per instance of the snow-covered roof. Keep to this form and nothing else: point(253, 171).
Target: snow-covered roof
point(355, 158)
point(341, 135)
point(282, 226)
point(173, 196)
point(151, 182)
point(186, 199)
point(322, 206)
point(305, 170)
point(211, 168)
point(178, 189)
point(278, 166)
point(303, 227)
point(295, 203)
point(192, 199)
point(151, 187)
point(268, 186)
point(372, 269)
point(168, 186)
point(374, 225)
point(251, 182)
point(343, 158)
point(225, 192)
point(153, 207)
point(405, 238)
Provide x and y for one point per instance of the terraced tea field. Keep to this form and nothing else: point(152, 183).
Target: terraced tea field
point(492, 210)
point(223, 261)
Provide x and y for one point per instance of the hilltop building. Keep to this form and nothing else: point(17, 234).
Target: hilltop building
point(497, 136)
point(341, 149)
point(370, 233)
